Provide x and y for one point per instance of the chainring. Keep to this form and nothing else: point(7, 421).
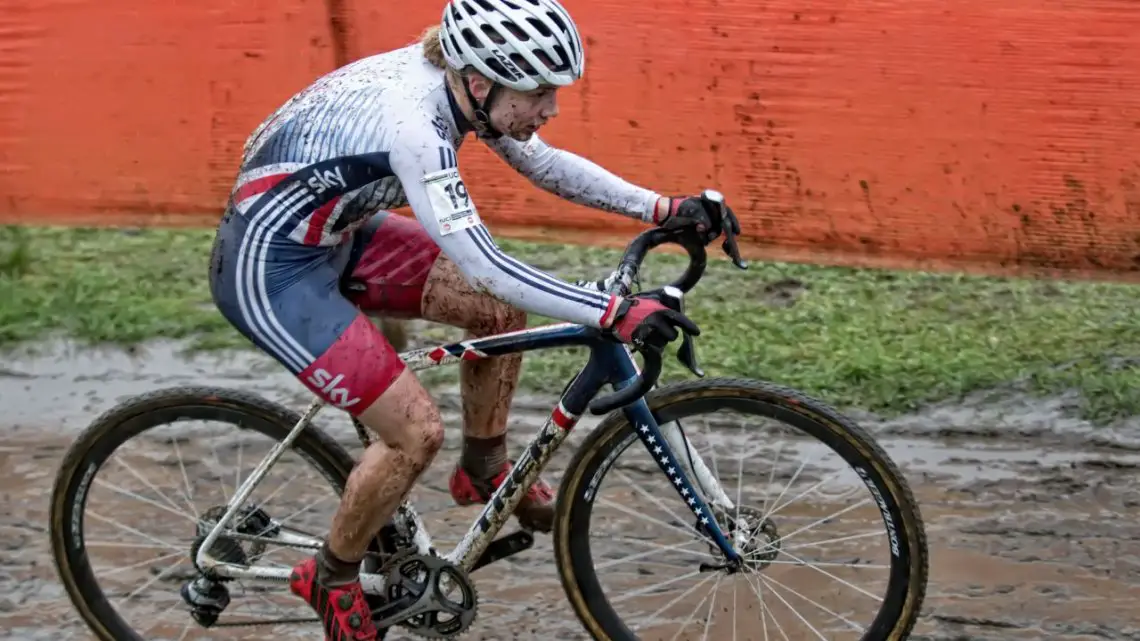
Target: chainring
point(425, 585)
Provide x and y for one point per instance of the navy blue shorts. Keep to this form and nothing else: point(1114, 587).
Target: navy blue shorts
point(306, 306)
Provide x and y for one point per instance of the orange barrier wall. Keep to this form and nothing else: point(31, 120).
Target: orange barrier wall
point(988, 134)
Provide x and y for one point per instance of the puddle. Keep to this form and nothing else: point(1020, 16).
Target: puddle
point(65, 387)
point(1030, 513)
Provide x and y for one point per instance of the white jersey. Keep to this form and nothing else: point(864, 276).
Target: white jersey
point(383, 132)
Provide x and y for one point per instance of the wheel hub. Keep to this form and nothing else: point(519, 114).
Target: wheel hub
point(251, 521)
point(756, 538)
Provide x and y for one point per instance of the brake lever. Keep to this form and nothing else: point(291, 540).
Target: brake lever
point(712, 198)
point(687, 353)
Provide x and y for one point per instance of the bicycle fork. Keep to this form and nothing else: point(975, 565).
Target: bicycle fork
point(663, 443)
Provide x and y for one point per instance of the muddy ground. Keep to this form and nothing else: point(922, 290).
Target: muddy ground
point(1032, 515)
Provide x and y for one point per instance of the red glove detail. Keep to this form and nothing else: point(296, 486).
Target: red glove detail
point(665, 208)
point(639, 310)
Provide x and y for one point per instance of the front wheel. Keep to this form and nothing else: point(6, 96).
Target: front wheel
point(832, 537)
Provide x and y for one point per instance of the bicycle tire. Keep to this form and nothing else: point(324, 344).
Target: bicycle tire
point(130, 418)
point(909, 568)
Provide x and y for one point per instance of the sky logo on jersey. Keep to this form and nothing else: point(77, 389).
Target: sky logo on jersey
point(324, 179)
point(327, 384)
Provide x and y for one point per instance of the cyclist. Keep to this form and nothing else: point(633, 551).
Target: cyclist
point(306, 247)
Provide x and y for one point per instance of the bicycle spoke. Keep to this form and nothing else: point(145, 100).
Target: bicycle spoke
point(127, 528)
point(155, 579)
point(678, 598)
point(765, 610)
point(771, 479)
point(149, 485)
point(709, 616)
point(301, 511)
point(817, 522)
point(689, 618)
point(828, 574)
point(739, 486)
point(841, 539)
point(142, 499)
point(794, 611)
point(117, 544)
point(734, 611)
point(872, 566)
point(840, 617)
point(811, 489)
point(135, 566)
point(221, 480)
point(189, 491)
point(792, 480)
point(666, 548)
point(689, 534)
point(274, 493)
point(652, 499)
point(636, 593)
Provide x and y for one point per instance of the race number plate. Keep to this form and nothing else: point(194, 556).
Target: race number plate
point(450, 203)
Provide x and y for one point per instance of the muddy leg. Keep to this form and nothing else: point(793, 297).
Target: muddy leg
point(411, 432)
point(396, 331)
point(488, 388)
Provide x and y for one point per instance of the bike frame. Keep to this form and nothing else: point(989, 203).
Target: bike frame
point(610, 363)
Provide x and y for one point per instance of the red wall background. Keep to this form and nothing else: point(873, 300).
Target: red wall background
point(987, 135)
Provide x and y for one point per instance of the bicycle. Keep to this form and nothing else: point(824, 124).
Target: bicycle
point(405, 576)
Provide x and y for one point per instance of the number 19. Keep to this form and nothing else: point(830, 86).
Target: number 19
point(457, 191)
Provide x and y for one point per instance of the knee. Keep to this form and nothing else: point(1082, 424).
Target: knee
point(499, 318)
point(424, 441)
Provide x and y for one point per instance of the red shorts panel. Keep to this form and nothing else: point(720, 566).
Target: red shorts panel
point(356, 370)
point(392, 259)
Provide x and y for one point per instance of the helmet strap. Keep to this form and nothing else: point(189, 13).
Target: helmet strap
point(482, 112)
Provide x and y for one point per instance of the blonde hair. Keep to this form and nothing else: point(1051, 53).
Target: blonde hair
point(433, 51)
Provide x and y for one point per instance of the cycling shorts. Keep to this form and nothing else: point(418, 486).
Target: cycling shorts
point(305, 305)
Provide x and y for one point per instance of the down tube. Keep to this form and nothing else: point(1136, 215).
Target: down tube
point(641, 418)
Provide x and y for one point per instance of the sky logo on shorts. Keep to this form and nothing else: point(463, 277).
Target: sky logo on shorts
point(327, 384)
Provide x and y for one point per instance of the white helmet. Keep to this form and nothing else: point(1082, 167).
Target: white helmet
point(521, 44)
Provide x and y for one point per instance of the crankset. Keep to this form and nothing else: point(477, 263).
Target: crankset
point(427, 596)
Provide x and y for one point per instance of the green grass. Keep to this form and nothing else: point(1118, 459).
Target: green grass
point(879, 340)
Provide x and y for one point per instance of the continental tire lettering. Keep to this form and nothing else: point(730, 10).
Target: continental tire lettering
point(77, 506)
point(891, 532)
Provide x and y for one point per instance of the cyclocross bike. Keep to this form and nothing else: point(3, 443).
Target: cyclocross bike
point(412, 586)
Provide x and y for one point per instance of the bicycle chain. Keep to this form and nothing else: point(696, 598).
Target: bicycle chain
point(385, 568)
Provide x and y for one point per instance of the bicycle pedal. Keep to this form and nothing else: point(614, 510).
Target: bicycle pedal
point(505, 546)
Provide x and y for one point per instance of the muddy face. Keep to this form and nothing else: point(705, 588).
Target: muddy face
point(519, 115)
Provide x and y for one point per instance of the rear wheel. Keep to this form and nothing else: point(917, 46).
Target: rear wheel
point(629, 552)
point(123, 546)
